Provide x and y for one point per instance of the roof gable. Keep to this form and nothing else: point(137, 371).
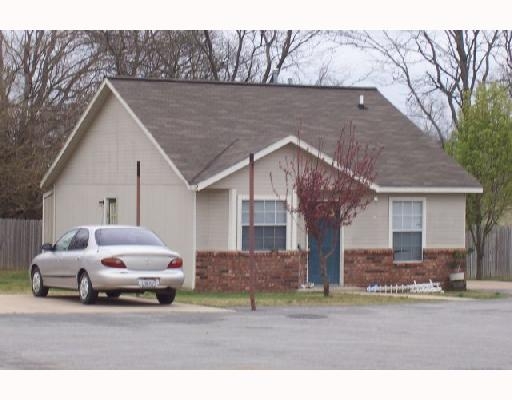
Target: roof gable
point(208, 127)
point(206, 130)
point(83, 124)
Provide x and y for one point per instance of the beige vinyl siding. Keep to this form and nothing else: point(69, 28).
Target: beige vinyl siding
point(445, 219)
point(104, 165)
point(212, 219)
point(370, 229)
point(302, 234)
point(262, 170)
point(446, 223)
point(264, 188)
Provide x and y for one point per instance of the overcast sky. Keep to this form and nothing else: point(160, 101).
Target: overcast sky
point(348, 66)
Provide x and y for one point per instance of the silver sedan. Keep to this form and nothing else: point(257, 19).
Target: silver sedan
point(111, 259)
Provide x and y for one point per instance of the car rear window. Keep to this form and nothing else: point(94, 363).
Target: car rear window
point(126, 236)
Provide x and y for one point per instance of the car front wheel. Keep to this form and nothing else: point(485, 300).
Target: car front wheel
point(87, 293)
point(167, 296)
point(38, 288)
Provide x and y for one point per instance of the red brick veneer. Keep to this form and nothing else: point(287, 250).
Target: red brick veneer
point(368, 266)
point(228, 271)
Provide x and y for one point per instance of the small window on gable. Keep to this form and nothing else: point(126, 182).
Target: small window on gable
point(110, 210)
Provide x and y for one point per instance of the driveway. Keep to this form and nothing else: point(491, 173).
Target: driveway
point(70, 304)
point(491, 286)
point(430, 335)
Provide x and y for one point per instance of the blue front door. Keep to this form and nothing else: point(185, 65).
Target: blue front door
point(332, 238)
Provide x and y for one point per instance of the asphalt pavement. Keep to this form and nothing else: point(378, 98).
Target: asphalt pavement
point(427, 335)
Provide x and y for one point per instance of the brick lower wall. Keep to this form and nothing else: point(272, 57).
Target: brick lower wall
point(368, 266)
point(228, 271)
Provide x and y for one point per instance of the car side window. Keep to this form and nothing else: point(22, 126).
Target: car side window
point(64, 241)
point(80, 240)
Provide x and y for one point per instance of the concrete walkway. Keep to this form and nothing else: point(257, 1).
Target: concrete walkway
point(70, 304)
point(490, 286)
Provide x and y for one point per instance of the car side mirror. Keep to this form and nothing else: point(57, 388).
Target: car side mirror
point(47, 247)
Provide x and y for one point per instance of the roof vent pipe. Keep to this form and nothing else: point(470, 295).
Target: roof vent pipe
point(361, 102)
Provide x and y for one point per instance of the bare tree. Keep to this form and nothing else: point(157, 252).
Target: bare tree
point(252, 56)
point(440, 69)
point(46, 80)
point(126, 53)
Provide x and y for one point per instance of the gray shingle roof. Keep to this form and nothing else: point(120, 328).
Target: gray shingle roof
point(206, 127)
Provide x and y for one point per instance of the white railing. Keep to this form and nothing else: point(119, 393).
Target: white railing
point(414, 288)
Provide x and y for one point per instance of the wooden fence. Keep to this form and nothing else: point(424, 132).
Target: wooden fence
point(20, 241)
point(497, 261)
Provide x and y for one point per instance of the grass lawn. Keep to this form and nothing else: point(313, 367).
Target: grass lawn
point(12, 282)
point(285, 299)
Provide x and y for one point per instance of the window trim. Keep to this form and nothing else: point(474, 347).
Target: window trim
point(106, 203)
point(244, 197)
point(423, 228)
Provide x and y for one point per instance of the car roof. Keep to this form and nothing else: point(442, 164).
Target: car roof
point(94, 227)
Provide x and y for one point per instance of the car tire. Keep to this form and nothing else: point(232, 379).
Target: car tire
point(85, 290)
point(113, 294)
point(167, 296)
point(38, 288)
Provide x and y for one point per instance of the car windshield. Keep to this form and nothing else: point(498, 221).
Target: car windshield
point(126, 236)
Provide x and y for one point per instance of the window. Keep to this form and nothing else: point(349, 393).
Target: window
point(126, 236)
point(269, 225)
point(110, 211)
point(407, 229)
point(80, 240)
point(64, 241)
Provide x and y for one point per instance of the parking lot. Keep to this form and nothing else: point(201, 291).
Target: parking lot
point(140, 334)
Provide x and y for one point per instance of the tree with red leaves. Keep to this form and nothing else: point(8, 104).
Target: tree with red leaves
point(331, 190)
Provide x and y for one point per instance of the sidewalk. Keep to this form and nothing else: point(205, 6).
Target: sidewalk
point(490, 286)
point(66, 304)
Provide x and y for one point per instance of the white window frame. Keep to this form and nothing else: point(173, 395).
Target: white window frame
point(423, 228)
point(244, 197)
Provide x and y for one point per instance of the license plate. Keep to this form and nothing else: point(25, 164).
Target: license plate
point(148, 283)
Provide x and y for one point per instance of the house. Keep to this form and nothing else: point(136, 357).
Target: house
point(193, 139)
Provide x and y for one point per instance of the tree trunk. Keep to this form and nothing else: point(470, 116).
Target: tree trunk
point(479, 248)
point(323, 268)
point(479, 260)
